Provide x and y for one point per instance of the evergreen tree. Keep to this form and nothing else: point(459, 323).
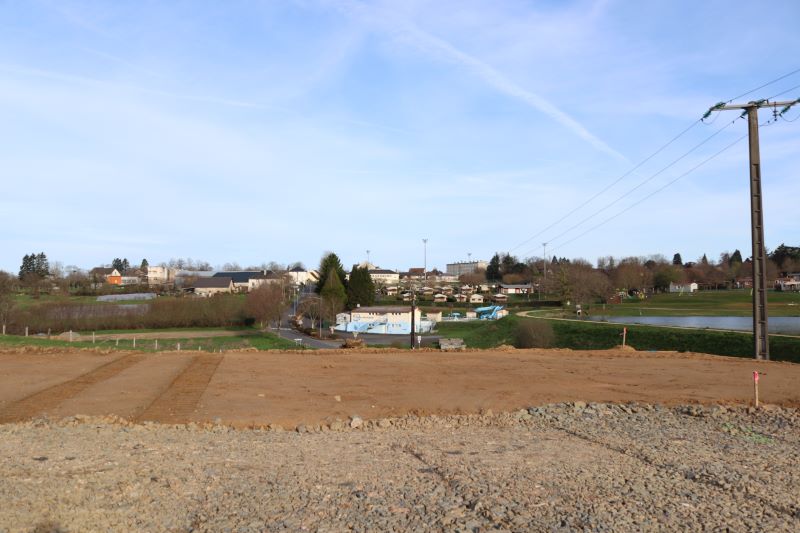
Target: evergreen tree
point(360, 289)
point(783, 252)
point(704, 260)
point(333, 296)
point(117, 264)
point(735, 258)
point(26, 267)
point(493, 270)
point(677, 260)
point(144, 265)
point(125, 265)
point(41, 266)
point(507, 264)
point(330, 263)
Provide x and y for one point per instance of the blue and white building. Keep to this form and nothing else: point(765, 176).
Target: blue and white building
point(389, 320)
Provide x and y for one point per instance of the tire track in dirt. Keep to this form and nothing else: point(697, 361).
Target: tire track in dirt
point(178, 401)
point(44, 400)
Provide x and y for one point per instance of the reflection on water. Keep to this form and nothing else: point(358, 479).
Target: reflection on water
point(789, 325)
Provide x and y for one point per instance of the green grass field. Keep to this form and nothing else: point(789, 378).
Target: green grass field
point(263, 341)
point(600, 336)
point(703, 303)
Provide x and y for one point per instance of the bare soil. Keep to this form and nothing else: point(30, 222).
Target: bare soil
point(258, 388)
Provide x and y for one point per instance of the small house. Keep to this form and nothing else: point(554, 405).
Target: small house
point(521, 288)
point(111, 276)
point(440, 298)
point(207, 287)
point(476, 299)
point(434, 317)
point(500, 298)
point(682, 287)
point(389, 291)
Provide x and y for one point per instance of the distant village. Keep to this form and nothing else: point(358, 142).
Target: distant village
point(434, 284)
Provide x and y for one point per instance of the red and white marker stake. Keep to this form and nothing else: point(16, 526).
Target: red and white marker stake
point(755, 385)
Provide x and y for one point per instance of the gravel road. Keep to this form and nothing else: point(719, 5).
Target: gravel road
point(559, 467)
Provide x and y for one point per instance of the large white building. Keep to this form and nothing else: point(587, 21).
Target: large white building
point(466, 267)
point(382, 276)
point(393, 320)
point(160, 275)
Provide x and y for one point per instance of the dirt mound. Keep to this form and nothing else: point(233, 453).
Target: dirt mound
point(626, 348)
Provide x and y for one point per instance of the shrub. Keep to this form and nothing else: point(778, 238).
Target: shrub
point(534, 334)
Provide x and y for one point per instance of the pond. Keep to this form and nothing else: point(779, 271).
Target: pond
point(788, 325)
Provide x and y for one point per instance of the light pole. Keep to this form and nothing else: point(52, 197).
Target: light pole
point(425, 260)
point(368, 264)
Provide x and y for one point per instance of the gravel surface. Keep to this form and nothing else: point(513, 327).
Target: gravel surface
point(560, 467)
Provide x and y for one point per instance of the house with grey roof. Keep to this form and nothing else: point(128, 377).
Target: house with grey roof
point(211, 286)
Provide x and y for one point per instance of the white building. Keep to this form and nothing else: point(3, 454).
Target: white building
point(682, 287)
point(160, 275)
point(465, 267)
point(300, 276)
point(382, 276)
point(476, 299)
point(393, 320)
point(263, 279)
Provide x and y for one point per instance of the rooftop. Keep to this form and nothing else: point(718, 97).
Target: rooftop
point(214, 282)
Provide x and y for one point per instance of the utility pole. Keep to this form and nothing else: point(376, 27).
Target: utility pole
point(544, 264)
point(760, 334)
point(425, 260)
point(413, 306)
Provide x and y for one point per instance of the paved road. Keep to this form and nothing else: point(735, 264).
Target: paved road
point(292, 335)
point(372, 339)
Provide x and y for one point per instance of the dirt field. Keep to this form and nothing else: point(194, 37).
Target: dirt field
point(251, 388)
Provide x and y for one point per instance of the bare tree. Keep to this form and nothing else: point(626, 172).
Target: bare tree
point(311, 308)
point(473, 278)
point(267, 303)
point(8, 286)
point(579, 283)
point(234, 266)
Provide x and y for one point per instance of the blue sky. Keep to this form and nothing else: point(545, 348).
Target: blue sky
point(276, 130)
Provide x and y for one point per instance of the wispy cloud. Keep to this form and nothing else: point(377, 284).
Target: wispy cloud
point(396, 24)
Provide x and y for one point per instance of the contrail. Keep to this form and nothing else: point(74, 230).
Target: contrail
point(486, 72)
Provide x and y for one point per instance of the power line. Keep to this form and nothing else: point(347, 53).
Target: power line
point(607, 187)
point(669, 183)
point(784, 92)
point(658, 151)
point(644, 182)
point(765, 85)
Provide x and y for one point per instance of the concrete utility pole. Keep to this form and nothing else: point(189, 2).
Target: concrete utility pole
point(413, 308)
point(760, 334)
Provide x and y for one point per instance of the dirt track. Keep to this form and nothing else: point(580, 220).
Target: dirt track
point(251, 388)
